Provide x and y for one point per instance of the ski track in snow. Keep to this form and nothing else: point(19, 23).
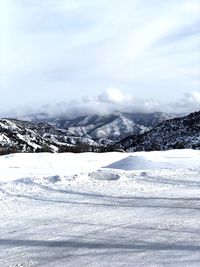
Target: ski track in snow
point(111, 209)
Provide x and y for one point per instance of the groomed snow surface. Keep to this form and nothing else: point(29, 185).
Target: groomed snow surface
point(111, 209)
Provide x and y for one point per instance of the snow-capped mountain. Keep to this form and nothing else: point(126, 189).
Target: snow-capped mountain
point(177, 133)
point(105, 128)
point(23, 136)
point(15, 137)
point(87, 133)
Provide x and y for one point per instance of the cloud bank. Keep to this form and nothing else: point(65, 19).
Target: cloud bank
point(112, 100)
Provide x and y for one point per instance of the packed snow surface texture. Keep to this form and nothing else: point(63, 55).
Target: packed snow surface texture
point(111, 209)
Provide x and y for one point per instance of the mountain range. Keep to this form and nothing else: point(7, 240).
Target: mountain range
point(104, 128)
point(177, 133)
point(127, 131)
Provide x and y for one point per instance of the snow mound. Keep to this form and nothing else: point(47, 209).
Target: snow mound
point(104, 175)
point(139, 163)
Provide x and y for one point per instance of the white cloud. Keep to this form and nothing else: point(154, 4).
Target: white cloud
point(112, 100)
point(192, 6)
point(193, 97)
point(64, 6)
point(112, 95)
point(189, 103)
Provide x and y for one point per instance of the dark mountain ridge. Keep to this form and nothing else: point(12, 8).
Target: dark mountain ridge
point(175, 133)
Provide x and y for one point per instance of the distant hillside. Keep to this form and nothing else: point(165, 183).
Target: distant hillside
point(23, 136)
point(88, 133)
point(105, 129)
point(171, 134)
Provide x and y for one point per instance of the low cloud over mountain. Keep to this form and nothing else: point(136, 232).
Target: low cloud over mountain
point(109, 101)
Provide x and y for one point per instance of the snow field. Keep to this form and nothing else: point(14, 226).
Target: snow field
point(111, 209)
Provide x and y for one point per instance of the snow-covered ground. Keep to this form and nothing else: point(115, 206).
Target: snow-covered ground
point(112, 209)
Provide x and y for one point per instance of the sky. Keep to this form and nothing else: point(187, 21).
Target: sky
point(84, 56)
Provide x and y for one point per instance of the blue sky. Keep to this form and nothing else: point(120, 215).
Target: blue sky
point(100, 54)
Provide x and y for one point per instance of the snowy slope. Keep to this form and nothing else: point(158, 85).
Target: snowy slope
point(111, 209)
point(23, 136)
point(176, 133)
point(86, 133)
point(15, 137)
point(117, 129)
point(109, 127)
